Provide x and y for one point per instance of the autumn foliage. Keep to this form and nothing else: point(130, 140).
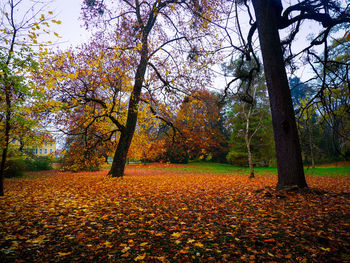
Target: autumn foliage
point(154, 215)
point(198, 121)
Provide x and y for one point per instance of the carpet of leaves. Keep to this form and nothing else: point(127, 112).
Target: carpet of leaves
point(153, 215)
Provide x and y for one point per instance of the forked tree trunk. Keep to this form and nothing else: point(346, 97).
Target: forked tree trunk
point(288, 152)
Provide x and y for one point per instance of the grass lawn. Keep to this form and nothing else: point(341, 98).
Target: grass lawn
point(174, 213)
point(218, 168)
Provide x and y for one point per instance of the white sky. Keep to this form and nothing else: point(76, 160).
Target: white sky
point(72, 30)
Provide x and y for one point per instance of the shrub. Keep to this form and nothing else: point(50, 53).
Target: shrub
point(177, 155)
point(84, 160)
point(14, 167)
point(42, 163)
point(237, 158)
point(38, 163)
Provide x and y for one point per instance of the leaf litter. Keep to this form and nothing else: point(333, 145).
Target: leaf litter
point(155, 215)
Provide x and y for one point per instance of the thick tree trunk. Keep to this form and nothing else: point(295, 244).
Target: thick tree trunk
point(288, 152)
point(119, 160)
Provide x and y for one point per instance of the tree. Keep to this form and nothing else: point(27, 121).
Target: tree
point(148, 28)
point(269, 19)
point(249, 113)
point(143, 62)
point(299, 91)
point(288, 153)
point(148, 142)
point(306, 117)
point(85, 149)
point(20, 27)
point(332, 101)
point(198, 123)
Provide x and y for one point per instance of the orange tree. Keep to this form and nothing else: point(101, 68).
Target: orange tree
point(200, 133)
point(147, 52)
point(86, 148)
point(151, 29)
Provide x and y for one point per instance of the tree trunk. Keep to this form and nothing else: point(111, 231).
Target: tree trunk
point(7, 139)
point(119, 160)
point(288, 152)
point(248, 140)
point(311, 147)
point(250, 161)
point(2, 167)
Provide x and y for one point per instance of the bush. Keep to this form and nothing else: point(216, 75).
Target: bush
point(14, 167)
point(237, 158)
point(177, 155)
point(84, 160)
point(38, 163)
point(42, 163)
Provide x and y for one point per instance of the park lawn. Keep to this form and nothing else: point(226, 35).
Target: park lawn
point(219, 168)
point(165, 213)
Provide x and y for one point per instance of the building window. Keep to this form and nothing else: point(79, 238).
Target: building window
point(41, 151)
point(36, 151)
point(50, 150)
point(45, 151)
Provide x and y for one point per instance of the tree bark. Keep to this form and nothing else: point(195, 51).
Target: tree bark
point(7, 139)
point(250, 160)
point(119, 160)
point(248, 138)
point(288, 152)
point(311, 146)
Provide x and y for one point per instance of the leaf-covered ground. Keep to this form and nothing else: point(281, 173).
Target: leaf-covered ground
point(163, 215)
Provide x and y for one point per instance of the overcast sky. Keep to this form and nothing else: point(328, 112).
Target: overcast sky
point(71, 30)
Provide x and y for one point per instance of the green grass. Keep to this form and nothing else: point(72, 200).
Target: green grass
point(334, 171)
point(218, 168)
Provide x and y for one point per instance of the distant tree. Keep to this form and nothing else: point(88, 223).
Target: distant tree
point(322, 115)
point(333, 97)
point(249, 115)
point(306, 118)
point(148, 143)
point(198, 123)
point(299, 91)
